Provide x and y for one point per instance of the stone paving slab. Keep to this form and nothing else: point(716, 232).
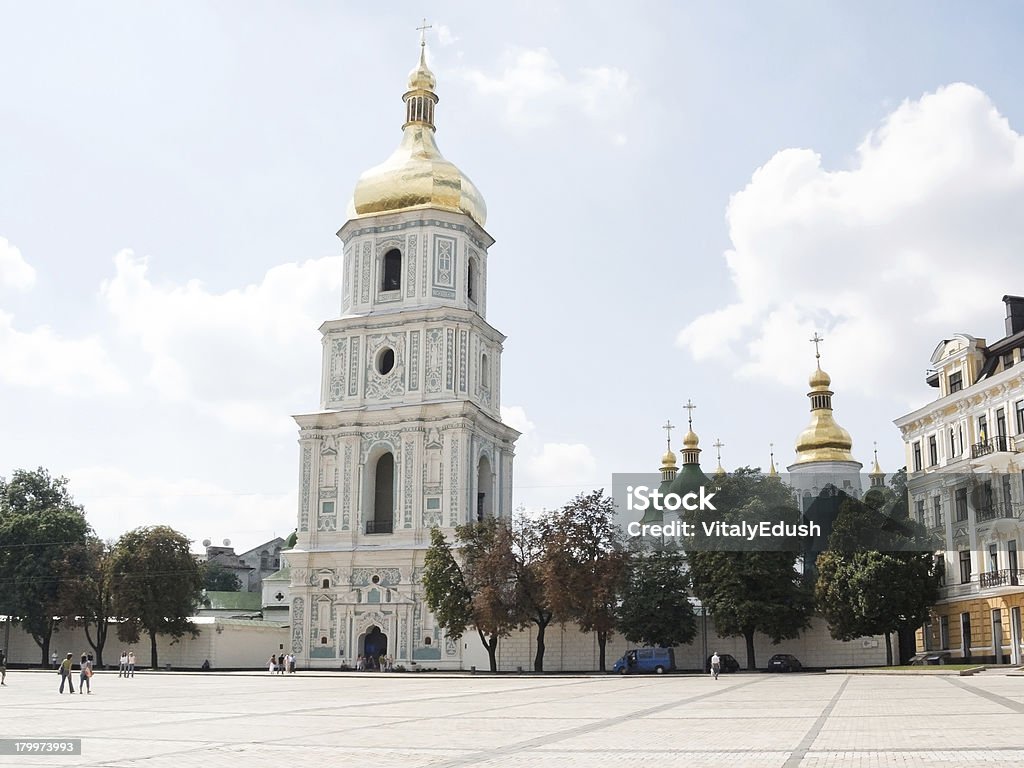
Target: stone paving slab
point(160, 720)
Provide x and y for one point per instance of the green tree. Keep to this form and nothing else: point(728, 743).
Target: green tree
point(879, 574)
point(530, 548)
point(157, 584)
point(87, 599)
point(39, 524)
point(217, 578)
point(759, 589)
point(655, 608)
point(483, 591)
point(584, 565)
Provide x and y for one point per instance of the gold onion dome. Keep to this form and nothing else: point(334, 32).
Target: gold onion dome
point(690, 440)
point(823, 439)
point(417, 174)
point(668, 461)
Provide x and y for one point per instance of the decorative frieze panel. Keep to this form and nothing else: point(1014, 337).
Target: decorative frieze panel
point(362, 577)
point(444, 261)
point(298, 623)
point(338, 368)
point(414, 361)
point(307, 469)
point(408, 478)
point(346, 499)
point(449, 361)
point(391, 384)
point(410, 266)
point(365, 279)
point(463, 346)
point(454, 484)
point(353, 366)
point(435, 359)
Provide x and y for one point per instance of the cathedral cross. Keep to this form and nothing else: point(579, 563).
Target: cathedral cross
point(689, 416)
point(719, 445)
point(668, 427)
point(423, 31)
point(816, 340)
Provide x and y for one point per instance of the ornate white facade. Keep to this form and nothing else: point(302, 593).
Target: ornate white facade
point(409, 434)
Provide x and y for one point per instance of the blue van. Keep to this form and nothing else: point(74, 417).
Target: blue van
point(637, 660)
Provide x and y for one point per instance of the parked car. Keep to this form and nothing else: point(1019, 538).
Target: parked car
point(637, 660)
point(784, 662)
point(727, 663)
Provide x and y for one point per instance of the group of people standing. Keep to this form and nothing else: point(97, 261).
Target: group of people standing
point(382, 663)
point(66, 668)
point(281, 663)
point(126, 666)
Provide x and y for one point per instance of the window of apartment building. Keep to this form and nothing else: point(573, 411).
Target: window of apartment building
point(926, 635)
point(933, 451)
point(993, 558)
point(1008, 360)
point(1019, 408)
point(920, 511)
point(956, 440)
point(1007, 495)
point(937, 511)
point(940, 568)
point(956, 382)
point(917, 456)
point(965, 633)
point(961, 504)
point(1011, 559)
point(965, 567)
point(982, 428)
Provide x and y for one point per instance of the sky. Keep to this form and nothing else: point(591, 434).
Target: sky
point(681, 194)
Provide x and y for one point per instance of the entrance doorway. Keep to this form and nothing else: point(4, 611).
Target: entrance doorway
point(375, 645)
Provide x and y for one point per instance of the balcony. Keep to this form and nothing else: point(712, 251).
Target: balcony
point(1008, 577)
point(379, 526)
point(995, 510)
point(997, 444)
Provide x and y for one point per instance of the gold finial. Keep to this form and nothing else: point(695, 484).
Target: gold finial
point(876, 469)
point(423, 32)
point(668, 461)
point(771, 452)
point(719, 445)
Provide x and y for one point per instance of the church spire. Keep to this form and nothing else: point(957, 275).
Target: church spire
point(691, 443)
point(668, 461)
point(824, 439)
point(420, 99)
point(877, 475)
point(772, 472)
point(719, 445)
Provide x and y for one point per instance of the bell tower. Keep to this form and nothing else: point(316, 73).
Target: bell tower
point(408, 435)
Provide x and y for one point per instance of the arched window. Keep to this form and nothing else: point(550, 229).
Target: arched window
point(471, 273)
point(264, 560)
point(485, 372)
point(484, 491)
point(392, 271)
point(383, 495)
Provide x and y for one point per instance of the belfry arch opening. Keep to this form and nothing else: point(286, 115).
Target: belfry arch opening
point(392, 277)
point(472, 272)
point(484, 490)
point(383, 495)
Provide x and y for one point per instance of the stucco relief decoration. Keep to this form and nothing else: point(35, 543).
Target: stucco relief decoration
point(339, 367)
point(365, 281)
point(390, 437)
point(450, 648)
point(444, 261)
point(353, 366)
point(346, 499)
point(410, 271)
point(449, 367)
point(307, 462)
point(453, 509)
point(371, 619)
point(392, 384)
point(414, 361)
point(329, 465)
point(463, 345)
point(362, 577)
point(435, 358)
point(408, 472)
point(298, 622)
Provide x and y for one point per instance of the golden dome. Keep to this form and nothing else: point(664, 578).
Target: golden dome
point(417, 174)
point(819, 379)
point(690, 439)
point(668, 461)
point(823, 440)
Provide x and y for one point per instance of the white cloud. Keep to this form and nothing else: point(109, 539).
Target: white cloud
point(116, 501)
point(445, 37)
point(547, 474)
point(42, 359)
point(918, 239)
point(236, 355)
point(15, 272)
point(534, 91)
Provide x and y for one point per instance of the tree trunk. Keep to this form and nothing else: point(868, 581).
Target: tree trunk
point(907, 643)
point(101, 639)
point(538, 659)
point(602, 644)
point(152, 648)
point(492, 652)
point(44, 644)
point(751, 661)
point(888, 649)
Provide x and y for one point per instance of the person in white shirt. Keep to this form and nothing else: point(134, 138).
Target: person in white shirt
point(716, 665)
point(122, 667)
point(131, 664)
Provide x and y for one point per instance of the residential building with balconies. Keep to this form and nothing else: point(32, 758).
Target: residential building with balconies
point(965, 456)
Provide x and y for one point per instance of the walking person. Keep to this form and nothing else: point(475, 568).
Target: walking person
point(122, 667)
point(716, 665)
point(53, 660)
point(280, 664)
point(65, 674)
point(3, 667)
point(84, 675)
point(272, 664)
point(131, 664)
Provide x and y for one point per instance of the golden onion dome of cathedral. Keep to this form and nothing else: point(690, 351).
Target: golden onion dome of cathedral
point(823, 439)
point(690, 440)
point(668, 461)
point(417, 175)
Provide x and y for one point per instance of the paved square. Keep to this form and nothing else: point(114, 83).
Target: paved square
point(168, 720)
